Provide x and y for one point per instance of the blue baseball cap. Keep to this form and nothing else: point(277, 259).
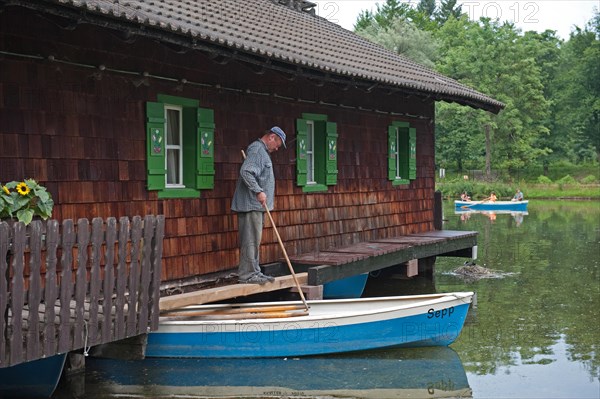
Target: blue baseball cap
point(277, 130)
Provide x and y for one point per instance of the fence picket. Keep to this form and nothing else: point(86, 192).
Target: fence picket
point(66, 286)
point(134, 275)
point(4, 245)
point(109, 280)
point(17, 297)
point(50, 289)
point(97, 236)
point(121, 279)
point(34, 291)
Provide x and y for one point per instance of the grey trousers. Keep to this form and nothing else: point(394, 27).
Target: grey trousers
point(250, 227)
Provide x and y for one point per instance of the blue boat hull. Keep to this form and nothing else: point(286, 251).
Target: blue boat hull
point(35, 379)
point(517, 206)
point(435, 323)
point(349, 287)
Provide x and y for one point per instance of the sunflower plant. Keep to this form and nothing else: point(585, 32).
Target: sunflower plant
point(25, 199)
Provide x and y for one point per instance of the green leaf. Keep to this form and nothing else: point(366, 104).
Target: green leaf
point(25, 215)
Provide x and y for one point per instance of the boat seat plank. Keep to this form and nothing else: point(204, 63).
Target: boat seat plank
point(227, 292)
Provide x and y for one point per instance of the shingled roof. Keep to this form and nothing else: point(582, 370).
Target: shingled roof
point(280, 33)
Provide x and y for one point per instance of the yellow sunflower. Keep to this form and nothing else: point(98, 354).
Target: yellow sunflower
point(6, 190)
point(23, 188)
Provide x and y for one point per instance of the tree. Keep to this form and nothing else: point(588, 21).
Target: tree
point(385, 15)
point(403, 38)
point(577, 94)
point(448, 9)
point(493, 58)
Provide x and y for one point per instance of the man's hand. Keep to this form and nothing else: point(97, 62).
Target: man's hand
point(262, 198)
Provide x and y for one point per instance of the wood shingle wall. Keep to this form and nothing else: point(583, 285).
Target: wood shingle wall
point(79, 130)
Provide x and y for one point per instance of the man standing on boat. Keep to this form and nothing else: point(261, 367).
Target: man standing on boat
point(254, 190)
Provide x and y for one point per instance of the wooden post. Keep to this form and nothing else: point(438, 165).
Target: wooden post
point(437, 210)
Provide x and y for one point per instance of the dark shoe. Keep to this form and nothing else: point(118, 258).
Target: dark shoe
point(258, 279)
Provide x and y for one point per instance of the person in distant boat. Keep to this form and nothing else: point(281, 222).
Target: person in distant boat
point(491, 198)
point(518, 196)
point(255, 189)
point(465, 197)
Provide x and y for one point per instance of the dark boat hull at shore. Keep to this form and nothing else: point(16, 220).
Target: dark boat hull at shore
point(35, 379)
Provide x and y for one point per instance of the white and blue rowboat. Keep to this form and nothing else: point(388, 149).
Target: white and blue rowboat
point(283, 329)
point(492, 206)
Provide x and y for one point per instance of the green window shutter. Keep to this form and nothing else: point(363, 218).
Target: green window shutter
point(155, 145)
point(392, 140)
point(205, 171)
point(412, 156)
point(331, 161)
point(301, 137)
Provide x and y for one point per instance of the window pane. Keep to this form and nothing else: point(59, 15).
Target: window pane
point(173, 166)
point(310, 153)
point(172, 127)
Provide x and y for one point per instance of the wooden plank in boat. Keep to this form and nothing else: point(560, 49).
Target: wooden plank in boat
point(228, 292)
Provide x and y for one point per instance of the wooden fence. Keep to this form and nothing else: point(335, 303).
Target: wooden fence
point(68, 287)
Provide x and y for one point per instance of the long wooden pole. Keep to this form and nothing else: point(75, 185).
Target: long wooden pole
point(287, 259)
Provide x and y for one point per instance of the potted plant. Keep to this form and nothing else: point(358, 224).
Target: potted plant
point(25, 199)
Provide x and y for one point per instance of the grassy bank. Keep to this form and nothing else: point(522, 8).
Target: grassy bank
point(480, 190)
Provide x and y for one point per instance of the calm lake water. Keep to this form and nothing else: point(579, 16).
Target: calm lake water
point(535, 332)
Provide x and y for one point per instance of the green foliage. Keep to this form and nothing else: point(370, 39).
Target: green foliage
point(589, 179)
point(494, 59)
point(544, 179)
point(551, 87)
point(24, 200)
point(402, 37)
point(385, 15)
point(479, 190)
point(568, 179)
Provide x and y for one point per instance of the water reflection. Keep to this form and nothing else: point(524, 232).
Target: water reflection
point(465, 215)
point(415, 373)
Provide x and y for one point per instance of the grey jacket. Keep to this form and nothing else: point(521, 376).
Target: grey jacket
point(256, 175)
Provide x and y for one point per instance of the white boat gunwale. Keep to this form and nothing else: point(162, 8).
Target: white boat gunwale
point(415, 303)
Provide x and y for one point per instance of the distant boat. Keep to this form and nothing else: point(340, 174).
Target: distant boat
point(349, 287)
point(492, 206)
point(35, 379)
point(280, 329)
point(401, 373)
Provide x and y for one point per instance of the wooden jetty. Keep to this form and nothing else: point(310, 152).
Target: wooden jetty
point(415, 253)
point(72, 286)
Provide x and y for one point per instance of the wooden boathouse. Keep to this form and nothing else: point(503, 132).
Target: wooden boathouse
point(139, 107)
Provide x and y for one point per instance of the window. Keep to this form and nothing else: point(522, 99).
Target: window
point(316, 148)
point(180, 142)
point(174, 158)
point(402, 153)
